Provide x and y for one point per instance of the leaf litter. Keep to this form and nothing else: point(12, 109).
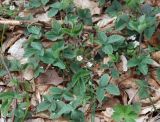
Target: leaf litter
point(13, 47)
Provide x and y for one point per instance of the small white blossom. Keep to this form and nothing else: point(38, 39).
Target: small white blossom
point(133, 37)
point(89, 64)
point(79, 58)
point(135, 43)
point(12, 7)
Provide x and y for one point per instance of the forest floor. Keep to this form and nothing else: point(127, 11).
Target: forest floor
point(80, 60)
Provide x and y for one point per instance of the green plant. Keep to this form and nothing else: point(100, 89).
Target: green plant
point(111, 43)
point(126, 113)
point(141, 62)
point(105, 86)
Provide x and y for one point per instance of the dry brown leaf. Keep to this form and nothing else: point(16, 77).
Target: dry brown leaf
point(142, 119)
point(9, 42)
point(154, 76)
point(150, 108)
point(124, 63)
point(16, 51)
point(154, 41)
point(42, 17)
point(50, 77)
point(133, 96)
point(35, 120)
point(106, 23)
point(28, 74)
point(93, 6)
point(153, 2)
point(156, 56)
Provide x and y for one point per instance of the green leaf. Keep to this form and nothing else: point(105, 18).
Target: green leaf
point(38, 71)
point(3, 72)
point(65, 4)
point(101, 2)
point(149, 32)
point(37, 45)
point(102, 37)
point(43, 106)
point(115, 38)
point(113, 89)
point(143, 89)
point(107, 49)
point(7, 95)
point(114, 73)
point(146, 59)
point(100, 93)
point(78, 116)
point(5, 107)
point(56, 90)
point(52, 12)
point(143, 68)
point(103, 81)
point(85, 15)
point(44, 2)
point(53, 106)
point(133, 62)
point(14, 65)
point(55, 33)
point(114, 8)
point(59, 64)
point(65, 109)
point(34, 3)
point(80, 74)
point(122, 22)
point(124, 113)
point(34, 30)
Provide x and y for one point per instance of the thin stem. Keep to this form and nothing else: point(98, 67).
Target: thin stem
point(140, 41)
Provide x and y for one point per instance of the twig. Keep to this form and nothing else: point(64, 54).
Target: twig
point(16, 22)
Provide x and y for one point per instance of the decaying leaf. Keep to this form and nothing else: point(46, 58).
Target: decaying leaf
point(156, 56)
point(28, 74)
point(16, 51)
point(106, 22)
point(124, 63)
point(93, 6)
point(50, 77)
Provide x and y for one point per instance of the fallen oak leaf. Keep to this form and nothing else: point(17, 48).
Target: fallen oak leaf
point(49, 77)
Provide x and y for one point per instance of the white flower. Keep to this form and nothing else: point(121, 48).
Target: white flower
point(133, 37)
point(79, 58)
point(89, 64)
point(135, 43)
point(12, 7)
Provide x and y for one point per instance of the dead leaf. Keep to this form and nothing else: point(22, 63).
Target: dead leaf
point(16, 51)
point(10, 41)
point(93, 6)
point(133, 95)
point(124, 63)
point(142, 119)
point(156, 56)
point(28, 74)
point(35, 120)
point(42, 17)
point(50, 77)
point(106, 22)
point(108, 112)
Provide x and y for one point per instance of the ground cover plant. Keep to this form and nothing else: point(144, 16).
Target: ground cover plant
point(80, 60)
